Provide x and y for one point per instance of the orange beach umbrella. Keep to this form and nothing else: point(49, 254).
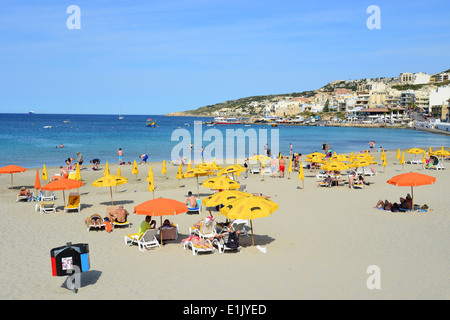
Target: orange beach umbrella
point(161, 207)
point(12, 168)
point(37, 181)
point(63, 184)
point(411, 179)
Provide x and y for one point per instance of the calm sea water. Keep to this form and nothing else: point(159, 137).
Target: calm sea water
point(24, 141)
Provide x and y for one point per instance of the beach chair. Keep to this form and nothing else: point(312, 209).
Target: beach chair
point(46, 207)
point(73, 203)
point(358, 185)
point(89, 224)
point(121, 224)
point(47, 195)
point(255, 169)
point(369, 172)
point(21, 198)
point(197, 209)
point(168, 233)
point(416, 160)
point(196, 249)
point(207, 229)
point(146, 241)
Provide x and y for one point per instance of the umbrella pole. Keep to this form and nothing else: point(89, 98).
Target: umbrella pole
point(198, 190)
point(253, 241)
point(412, 198)
point(110, 190)
point(64, 199)
point(160, 231)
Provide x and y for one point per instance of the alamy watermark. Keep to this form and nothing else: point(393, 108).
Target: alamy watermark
point(211, 143)
point(374, 20)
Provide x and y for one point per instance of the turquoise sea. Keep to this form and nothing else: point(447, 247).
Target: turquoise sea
point(24, 141)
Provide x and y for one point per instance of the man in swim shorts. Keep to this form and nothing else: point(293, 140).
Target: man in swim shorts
point(191, 202)
point(119, 215)
point(282, 164)
point(144, 158)
point(120, 154)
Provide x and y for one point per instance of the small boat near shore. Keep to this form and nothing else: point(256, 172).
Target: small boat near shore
point(150, 123)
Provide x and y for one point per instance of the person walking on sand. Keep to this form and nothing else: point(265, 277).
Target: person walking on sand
point(291, 151)
point(80, 159)
point(273, 166)
point(282, 164)
point(120, 154)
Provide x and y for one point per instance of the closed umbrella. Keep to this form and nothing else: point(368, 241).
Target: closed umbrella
point(44, 173)
point(402, 159)
point(164, 169)
point(135, 170)
point(37, 182)
point(110, 181)
point(151, 182)
point(411, 179)
point(251, 207)
point(106, 172)
point(179, 174)
point(11, 169)
point(301, 175)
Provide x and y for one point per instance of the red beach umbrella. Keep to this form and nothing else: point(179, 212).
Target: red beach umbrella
point(12, 169)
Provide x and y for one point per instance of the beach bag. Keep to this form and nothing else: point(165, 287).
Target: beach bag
point(108, 225)
point(233, 240)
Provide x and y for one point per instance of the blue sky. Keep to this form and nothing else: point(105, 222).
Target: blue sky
point(154, 57)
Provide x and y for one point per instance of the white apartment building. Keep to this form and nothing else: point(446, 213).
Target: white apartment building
point(421, 78)
point(439, 97)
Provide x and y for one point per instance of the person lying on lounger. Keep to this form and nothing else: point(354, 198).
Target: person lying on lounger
point(96, 220)
point(25, 192)
point(200, 242)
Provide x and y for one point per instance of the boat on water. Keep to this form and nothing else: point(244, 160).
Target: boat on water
point(120, 117)
point(66, 121)
point(227, 120)
point(47, 127)
point(150, 123)
point(31, 112)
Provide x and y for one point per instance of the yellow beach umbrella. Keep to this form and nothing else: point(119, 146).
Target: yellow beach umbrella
point(398, 154)
point(231, 169)
point(251, 207)
point(110, 181)
point(383, 155)
point(223, 198)
point(77, 172)
point(290, 168)
point(319, 154)
point(189, 165)
point(440, 153)
point(220, 183)
point(340, 157)
point(402, 160)
point(151, 182)
point(424, 158)
point(415, 151)
point(362, 163)
point(196, 172)
point(364, 156)
point(164, 169)
point(352, 157)
point(335, 166)
point(106, 172)
point(119, 172)
point(135, 170)
point(301, 176)
point(208, 166)
point(384, 164)
point(179, 174)
point(44, 173)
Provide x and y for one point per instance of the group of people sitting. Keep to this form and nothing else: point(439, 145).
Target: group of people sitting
point(405, 204)
point(353, 179)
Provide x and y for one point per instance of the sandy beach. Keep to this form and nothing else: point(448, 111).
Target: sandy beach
point(319, 243)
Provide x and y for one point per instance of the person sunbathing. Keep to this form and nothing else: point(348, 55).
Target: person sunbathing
point(199, 242)
point(406, 203)
point(386, 205)
point(96, 220)
point(25, 192)
point(119, 215)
